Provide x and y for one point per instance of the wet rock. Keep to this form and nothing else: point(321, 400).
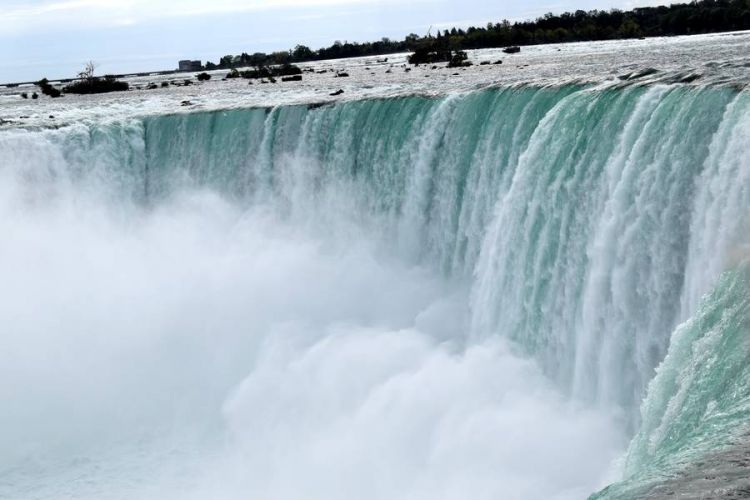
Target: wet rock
point(459, 59)
point(342, 74)
point(337, 93)
point(429, 54)
point(515, 49)
point(186, 103)
point(293, 78)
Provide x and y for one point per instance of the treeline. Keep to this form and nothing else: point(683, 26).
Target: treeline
point(705, 16)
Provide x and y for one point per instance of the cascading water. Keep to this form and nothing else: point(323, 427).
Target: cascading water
point(456, 297)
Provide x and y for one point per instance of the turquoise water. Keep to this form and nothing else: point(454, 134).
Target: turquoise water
point(600, 231)
point(699, 401)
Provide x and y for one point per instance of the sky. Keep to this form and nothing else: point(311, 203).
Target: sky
point(55, 38)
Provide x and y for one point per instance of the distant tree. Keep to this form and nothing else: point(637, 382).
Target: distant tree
point(47, 88)
point(301, 53)
point(89, 83)
point(698, 16)
point(88, 72)
point(629, 29)
point(281, 57)
point(258, 60)
point(227, 62)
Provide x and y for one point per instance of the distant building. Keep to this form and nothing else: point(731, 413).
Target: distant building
point(190, 65)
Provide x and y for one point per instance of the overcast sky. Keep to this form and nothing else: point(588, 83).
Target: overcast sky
point(54, 38)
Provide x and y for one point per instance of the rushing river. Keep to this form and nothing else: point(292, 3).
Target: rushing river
point(489, 289)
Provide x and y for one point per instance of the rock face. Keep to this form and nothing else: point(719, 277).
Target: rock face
point(512, 50)
point(724, 475)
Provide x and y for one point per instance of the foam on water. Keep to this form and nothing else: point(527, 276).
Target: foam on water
point(454, 296)
point(199, 350)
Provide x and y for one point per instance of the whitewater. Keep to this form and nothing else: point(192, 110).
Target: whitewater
point(524, 281)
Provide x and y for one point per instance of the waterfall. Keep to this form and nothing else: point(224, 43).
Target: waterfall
point(580, 226)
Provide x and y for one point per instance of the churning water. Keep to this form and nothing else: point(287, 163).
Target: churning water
point(455, 296)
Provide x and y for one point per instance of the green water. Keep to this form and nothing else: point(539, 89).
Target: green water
point(588, 223)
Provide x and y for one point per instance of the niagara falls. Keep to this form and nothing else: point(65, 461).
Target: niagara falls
point(497, 255)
